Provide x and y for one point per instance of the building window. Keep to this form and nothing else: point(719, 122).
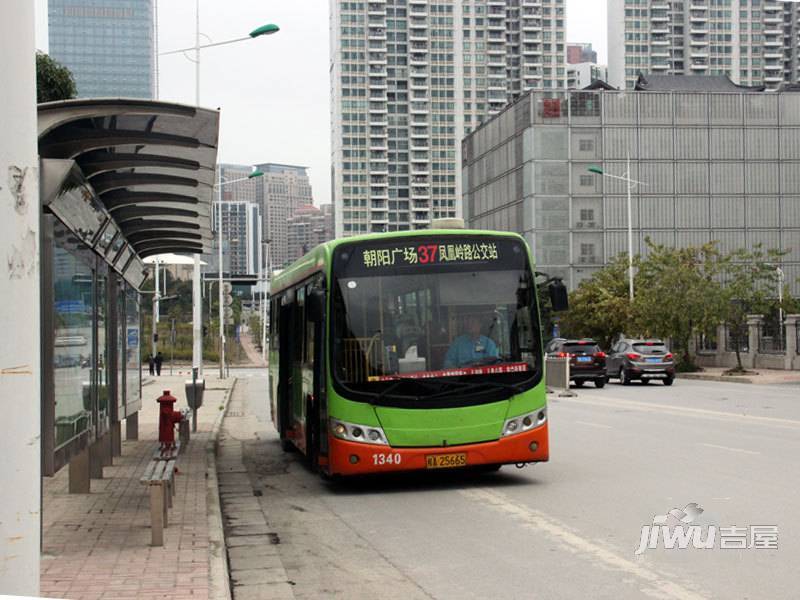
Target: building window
point(586, 145)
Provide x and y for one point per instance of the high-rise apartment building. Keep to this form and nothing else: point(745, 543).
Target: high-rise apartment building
point(754, 42)
point(308, 227)
point(281, 191)
point(277, 193)
point(241, 237)
point(408, 79)
point(107, 44)
point(580, 75)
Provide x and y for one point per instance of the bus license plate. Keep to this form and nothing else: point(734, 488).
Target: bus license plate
point(444, 461)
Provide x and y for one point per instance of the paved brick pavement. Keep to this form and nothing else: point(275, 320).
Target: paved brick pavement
point(97, 546)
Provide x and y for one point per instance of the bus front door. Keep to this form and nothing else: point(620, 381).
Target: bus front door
point(284, 403)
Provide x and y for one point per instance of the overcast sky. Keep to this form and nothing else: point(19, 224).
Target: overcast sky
point(273, 91)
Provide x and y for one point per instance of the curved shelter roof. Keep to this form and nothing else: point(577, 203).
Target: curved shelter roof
point(150, 164)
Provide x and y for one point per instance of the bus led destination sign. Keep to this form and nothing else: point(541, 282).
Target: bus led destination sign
point(430, 254)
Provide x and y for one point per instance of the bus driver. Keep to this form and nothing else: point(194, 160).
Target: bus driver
point(471, 347)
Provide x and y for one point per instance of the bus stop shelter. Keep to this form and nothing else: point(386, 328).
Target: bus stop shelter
point(120, 181)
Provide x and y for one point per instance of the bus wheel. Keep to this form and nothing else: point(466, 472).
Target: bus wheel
point(287, 445)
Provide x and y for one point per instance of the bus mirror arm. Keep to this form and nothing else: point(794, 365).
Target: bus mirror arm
point(558, 295)
point(557, 290)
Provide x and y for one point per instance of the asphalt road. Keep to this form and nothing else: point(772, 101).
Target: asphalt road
point(565, 529)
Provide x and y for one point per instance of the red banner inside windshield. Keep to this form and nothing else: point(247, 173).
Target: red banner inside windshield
point(487, 370)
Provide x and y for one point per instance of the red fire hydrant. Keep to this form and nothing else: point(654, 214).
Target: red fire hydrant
point(167, 418)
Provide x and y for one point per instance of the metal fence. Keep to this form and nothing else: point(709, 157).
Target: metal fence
point(707, 342)
point(771, 337)
point(734, 341)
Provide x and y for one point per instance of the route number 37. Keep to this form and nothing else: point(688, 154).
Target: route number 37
point(386, 459)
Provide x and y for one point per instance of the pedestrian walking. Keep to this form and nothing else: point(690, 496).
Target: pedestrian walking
point(151, 364)
point(159, 360)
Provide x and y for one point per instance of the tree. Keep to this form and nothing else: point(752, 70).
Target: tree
point(750, 287)
point(678, 295)
point(600, 307)
point(53, 80)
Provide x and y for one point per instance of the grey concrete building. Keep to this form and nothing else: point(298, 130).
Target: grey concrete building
point(109, 45)
point(719, 166)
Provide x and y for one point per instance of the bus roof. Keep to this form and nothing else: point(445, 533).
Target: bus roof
point(318, 259)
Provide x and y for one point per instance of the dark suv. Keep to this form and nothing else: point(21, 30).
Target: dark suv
point(587, 361)
point(640, 359)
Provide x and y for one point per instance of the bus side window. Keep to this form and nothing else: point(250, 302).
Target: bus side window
point(309, 332)
point(299, 325)
point(274, 325)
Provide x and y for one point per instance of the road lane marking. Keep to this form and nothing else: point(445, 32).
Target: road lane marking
point(662, 587)
point(594, 424)
point(729, 448)
point(607, 402)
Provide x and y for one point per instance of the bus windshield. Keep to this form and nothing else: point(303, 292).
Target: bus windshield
point(412, 318)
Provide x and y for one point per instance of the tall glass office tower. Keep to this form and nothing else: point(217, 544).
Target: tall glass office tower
point(107, 44)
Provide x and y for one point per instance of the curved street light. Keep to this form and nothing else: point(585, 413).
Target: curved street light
point(197, 315)
point(630, 184)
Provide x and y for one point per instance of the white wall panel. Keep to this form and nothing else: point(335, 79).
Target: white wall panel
point(691, 143)
point(727, 212)
point(691, 178)
point(762, 212)
point(692, 212)
point(727, 143)
point(762, 178)
point(656, 142)
point(727, 178)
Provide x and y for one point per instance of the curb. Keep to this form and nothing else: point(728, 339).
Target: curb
point(219, 581)
point(724, 378)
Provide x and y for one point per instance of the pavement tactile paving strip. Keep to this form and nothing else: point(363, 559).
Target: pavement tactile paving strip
point(254, 563)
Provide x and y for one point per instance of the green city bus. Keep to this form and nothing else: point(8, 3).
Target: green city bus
point(408, 351)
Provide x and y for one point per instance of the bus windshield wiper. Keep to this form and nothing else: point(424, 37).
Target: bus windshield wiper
point(474, 387)
point(434, 383)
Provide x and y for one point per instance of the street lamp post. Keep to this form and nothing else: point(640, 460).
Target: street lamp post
point(781, 279)
point(197, 302)
point(631, 183)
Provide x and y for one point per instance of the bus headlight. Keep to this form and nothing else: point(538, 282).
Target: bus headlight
point(525, 422)
point(352, 432)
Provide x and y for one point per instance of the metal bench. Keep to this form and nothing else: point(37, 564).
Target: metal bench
point(159, 476)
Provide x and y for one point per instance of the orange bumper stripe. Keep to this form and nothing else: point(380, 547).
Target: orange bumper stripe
point(381, 459)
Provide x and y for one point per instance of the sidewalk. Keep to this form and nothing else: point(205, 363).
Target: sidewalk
point(768, 376)
point(97, 546)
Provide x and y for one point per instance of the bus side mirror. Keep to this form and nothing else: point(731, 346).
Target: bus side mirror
point(316, 306)
point(558, 296)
